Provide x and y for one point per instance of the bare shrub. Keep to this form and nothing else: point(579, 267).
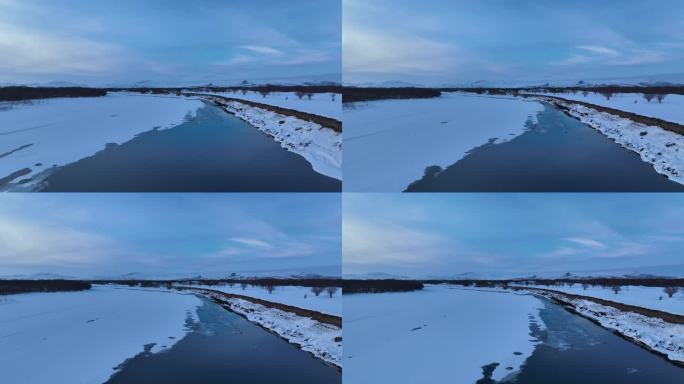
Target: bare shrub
point(317, 290)
point(671, 291)
point(331, 291)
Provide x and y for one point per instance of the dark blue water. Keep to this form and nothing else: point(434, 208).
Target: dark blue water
point(225, 348)
point(212, 152)
point(556, 154)
point(575, 350)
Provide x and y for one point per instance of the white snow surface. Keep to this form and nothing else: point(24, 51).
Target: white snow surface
point(435, 335)
point(310, 335)
point(65, 130)
point(80, 337)
point(389, 143)
point(288, 295)
point(321, 104)
point(670, 109)
point(320, 146)
point(657, 146)
point(656, 334)
point(645, 297)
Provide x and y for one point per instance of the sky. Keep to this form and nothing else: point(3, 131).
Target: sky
point(93, 235)
point(436, 42)
point(168, 41)
point(512, 235)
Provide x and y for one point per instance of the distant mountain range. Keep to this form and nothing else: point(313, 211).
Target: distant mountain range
point(652, 272)
point(301, 273)
point(308, 80)
point(654, 80)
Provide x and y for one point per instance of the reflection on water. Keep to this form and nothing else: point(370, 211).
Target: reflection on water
point(225, 348)
point(558, 153)
point(213, 151)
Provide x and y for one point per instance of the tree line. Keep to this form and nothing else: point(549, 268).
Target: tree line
point(28, 93)
point(24, 286)
point(380, 286)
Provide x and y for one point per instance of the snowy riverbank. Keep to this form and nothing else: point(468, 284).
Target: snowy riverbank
point(297, 296)
point(324, 341)
point(655, 145)
point(646, 297)
point(390, 143)
point(670, 108)
point(320, 146)
point(653, 333)
point(44, 133)
point(47, 337)
point(439, 334)
point(322, 104)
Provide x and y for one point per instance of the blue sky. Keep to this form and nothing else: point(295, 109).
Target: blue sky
point(86, 235)
point(503, 235)
point(177, 41)
point(454, 41)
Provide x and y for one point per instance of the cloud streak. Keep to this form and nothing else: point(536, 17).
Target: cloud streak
point(509, 235)
point(436, 42)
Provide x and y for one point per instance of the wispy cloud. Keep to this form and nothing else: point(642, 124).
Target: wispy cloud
point(264, 50)
point(366, 242)
point(29, 51)
point(368, 50)
point(599, 50)
point(32, 243)
point(252, 242)
point(587, 242)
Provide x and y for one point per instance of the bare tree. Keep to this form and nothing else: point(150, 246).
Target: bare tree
point(333, 96)
point(309, 95)
point(648, 97)
point(585, 286)
point(269, 288)
point(317, 290)
point(670, 291)
point(607, 94)
point(300, 94)
point(243, 286)
point(660, 97)
point(264, 93)
point(616, 289)
point(331, 291)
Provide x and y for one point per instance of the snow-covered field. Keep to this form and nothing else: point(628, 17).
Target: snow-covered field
point(645, 297)
point(656, 334)
point(670, 109)
point(322, 104)
point(437, 335)
point(62, 131)
point(655, 145)
point(320, 146)
point(80, 337)
point(301, 297)
point(310, 335)
point(389, 143)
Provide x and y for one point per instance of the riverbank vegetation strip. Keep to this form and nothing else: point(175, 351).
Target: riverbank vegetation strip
point(324, 121)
